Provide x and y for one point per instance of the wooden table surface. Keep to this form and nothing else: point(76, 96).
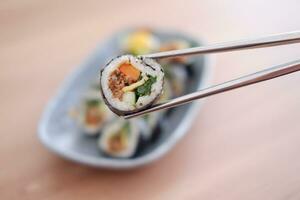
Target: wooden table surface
point(244, 145)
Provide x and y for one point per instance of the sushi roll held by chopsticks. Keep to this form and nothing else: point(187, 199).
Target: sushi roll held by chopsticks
point(129, 84)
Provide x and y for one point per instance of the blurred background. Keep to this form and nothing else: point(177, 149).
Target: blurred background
point(243, 145)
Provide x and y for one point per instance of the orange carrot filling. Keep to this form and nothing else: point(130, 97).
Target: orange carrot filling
point(93, 117)
point(130, 71)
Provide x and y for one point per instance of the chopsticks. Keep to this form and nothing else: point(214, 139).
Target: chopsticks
point(264, 75)
point(266, 41)
point(257, 77)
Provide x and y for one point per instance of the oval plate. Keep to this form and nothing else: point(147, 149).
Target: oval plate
point(58, 132)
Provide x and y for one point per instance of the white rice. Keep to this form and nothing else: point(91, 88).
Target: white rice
point(107, 114)
point(110, 129)
point(154, 69)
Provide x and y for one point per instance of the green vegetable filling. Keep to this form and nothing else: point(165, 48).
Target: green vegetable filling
point(145, 89)
point(93, 103)
point(126, 129)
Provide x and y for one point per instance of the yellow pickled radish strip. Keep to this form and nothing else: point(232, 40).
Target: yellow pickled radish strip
point(135, 85)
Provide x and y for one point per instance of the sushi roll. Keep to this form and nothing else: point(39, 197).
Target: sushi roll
point(141, 41)
point(147, 123)
point(93, 113)
point(129, 84)
point(175, 45)
point(177, 77)
point(119, 139)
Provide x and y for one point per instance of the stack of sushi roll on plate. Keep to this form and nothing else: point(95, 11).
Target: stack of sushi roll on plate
point(93, 113)
point(119, 138)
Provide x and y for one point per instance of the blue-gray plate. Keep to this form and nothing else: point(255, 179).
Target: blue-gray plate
point(59, 133)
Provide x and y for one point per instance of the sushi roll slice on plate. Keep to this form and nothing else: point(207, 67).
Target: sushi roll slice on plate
point(148, 123)
point(177, 77)
point(129, 84)
point(175, 45)
point(93, 113)
point(141, 41)
point(119, 138)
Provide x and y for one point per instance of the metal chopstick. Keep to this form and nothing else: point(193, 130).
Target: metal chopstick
point(267, 41)
point(257, 77)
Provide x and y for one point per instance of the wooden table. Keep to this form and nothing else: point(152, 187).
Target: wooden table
point(245, 144)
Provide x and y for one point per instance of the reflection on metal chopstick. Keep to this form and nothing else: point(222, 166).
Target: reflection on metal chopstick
point(267, 41)
point(257, 77)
